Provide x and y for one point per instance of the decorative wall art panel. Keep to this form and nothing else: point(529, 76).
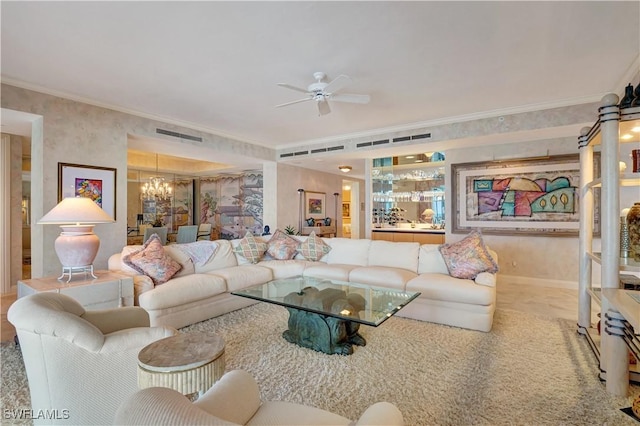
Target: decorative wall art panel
point(232, 204)
point(524, 196)
point(97, 183)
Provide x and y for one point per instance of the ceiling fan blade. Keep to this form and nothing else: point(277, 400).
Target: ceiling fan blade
point(323, 107)
point(294, 102)
point(347, 97)
point(288, 86)
point(337, 83)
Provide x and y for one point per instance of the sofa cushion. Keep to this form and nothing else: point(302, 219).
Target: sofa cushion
point(285, 268)
point(281, 246)
point(486, 278)
point(444, 287)
point(430, 260)
point(394, 255)
point(126, 250)
point(382, 276)
point(239, 277)
point(313, 248)
point(224, 257)
point(347, 251)
point(152, 261)
point(183, 259)
point(250, 248)
point(335, 271)
point(182, 290)
point(468, 257)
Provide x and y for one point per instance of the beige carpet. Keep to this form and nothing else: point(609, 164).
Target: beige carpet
point(528, 371)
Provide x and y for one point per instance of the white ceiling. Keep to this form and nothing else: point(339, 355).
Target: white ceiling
point(215, 66)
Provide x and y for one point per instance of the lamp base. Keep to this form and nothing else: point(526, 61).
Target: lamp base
point(77, 247)
point(70, 270)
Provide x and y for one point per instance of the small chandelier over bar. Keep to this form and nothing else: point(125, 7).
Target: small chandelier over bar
point(156, 188)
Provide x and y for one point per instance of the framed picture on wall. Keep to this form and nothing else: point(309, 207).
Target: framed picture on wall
point(97, 183)
point(315, 205)
point(535, 196)
point(346, 210)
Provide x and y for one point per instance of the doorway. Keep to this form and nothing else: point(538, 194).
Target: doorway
point(350, 209)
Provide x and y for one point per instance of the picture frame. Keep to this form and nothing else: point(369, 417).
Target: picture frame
point(315, 205)
point(97, 183)
point(346, 210)
point(532, 196)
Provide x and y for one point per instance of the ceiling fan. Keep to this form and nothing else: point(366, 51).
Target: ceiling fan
point(322, 92)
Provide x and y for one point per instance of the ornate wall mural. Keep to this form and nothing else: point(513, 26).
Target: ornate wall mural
point(232, 204)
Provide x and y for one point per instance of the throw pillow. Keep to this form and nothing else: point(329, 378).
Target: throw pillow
point(152, 261)
point(313, 248)
point(468, 257)
point(250, 248)
point(282, 246)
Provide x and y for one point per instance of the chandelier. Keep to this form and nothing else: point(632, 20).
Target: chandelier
point(156, 188)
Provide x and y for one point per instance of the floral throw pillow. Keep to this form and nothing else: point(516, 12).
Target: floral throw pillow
point(313, 248)
point(282, 246)
point(250, 248)
point(468, 257)
point(152, 261)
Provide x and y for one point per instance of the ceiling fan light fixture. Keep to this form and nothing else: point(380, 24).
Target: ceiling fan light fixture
point(322, 92)
point(344, 169)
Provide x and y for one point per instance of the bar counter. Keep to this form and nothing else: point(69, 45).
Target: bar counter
point(402, 234)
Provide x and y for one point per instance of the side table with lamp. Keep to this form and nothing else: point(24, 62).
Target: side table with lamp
point(76, 248)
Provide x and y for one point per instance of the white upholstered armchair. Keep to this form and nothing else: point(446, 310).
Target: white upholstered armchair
point(235, 400)
point(81, 365)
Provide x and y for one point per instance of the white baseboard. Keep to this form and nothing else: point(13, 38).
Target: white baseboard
point(539, 282)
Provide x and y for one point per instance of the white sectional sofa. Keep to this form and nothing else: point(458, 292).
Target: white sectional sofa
point(202, 291)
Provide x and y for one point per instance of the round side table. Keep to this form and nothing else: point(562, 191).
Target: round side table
point(187, 362)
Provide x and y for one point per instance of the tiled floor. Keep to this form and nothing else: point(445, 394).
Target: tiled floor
point(537, 299)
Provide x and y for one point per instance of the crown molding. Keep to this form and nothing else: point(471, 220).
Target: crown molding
point(168, 120)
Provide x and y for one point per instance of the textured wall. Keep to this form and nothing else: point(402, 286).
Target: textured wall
point(290, 179)
point(79, 133)
point(16, 207)
point(524, 258)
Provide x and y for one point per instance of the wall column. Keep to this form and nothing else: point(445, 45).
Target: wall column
point(5, 214)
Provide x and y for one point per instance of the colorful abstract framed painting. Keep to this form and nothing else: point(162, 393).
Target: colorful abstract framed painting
point(315, 205)
point(97, 183)
point(534, 196)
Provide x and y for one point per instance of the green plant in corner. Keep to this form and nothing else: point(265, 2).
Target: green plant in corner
point(290, 230)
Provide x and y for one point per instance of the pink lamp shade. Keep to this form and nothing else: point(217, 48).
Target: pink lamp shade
point(77, 245)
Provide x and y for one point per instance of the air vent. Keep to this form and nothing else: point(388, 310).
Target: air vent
point(402, 139)
point(380, 142)
point(178, 135)
point(288, 154)
point(422, 136)
point(301, 153)
point(363, 144)
point(335, 148)
point(317, 150)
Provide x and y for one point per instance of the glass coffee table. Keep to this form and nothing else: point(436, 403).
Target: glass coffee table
point(325, 315)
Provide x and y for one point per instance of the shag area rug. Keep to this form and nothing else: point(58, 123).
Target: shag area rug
point(528, 370)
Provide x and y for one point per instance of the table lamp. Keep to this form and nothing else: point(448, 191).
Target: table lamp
point(427, 215)
point(77, 245)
